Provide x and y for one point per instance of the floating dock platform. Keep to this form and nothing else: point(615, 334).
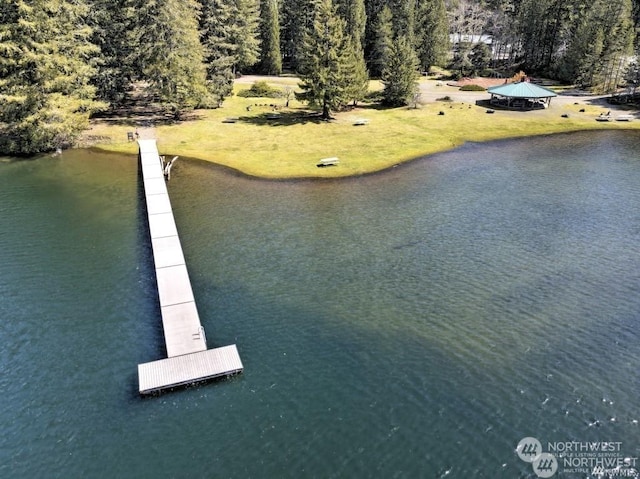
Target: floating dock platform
point(189, 361)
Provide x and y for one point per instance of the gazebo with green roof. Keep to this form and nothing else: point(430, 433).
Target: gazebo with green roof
point(522, 95)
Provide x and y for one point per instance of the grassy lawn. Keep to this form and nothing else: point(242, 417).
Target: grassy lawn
point(290, 145)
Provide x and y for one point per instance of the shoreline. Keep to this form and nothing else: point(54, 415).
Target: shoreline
point(287, 145)
point(238, 172)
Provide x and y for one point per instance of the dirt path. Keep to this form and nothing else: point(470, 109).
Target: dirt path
point(431, 90)
point(147, 133)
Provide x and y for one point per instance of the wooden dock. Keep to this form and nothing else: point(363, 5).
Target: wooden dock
point(188, 360)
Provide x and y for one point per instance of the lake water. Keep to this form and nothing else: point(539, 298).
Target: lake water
point(414, 323)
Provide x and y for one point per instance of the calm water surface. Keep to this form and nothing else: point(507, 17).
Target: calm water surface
point(415, 323)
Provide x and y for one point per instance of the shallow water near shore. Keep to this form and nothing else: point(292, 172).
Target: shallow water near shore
point(414, 323)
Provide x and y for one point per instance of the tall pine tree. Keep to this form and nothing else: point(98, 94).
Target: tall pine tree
point(246, 38)
point(381, 42)
point(400, 75)
point(356, 74)
point(45, 72)
point(297, 20)
point(601, 45)
point(354, 15)
point(543, 26)
point(404, 18)
point(324, 63)
point(111, 21)
point(218, 28)
point(170, 54)
point(432, 33)
point(618, 46)
point(270, 57)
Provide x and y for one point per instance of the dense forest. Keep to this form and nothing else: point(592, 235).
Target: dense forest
point(62, 61)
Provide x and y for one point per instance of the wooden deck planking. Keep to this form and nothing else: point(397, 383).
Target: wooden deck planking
point(162, 226)
point(181, 321)
point(169, 251)
point(189, 368)
point(182, 328)
point(173, 285)
point(158, 204)
point(155, 186)
point(184, 335)
point(151, 171)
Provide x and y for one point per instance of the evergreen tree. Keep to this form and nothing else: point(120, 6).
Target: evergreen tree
point(462, 58)
point(45, 72)
point(324, 61)
point(297, 21)
point(404, 19)
point(432, 33)
point(583, 51)
point(170, 54)
point(632, 77)
point(353, 13)
point(618, 45)
point(372, 10)
point(381, 42)
point(400, 76)
point(635, 15)
point(218, 29)
point(111, 21)
point(543, 26)
point(355, 74)
point(246, 37)
point(480, 57)
point(270, 57)
point(601, 43)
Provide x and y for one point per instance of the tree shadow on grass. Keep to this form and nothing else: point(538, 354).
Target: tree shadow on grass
point(378, 106)
point(148, 116)
point(503, 106)
point(288, 118)
point(141, 108)
point(630, 106)
point(279, 118)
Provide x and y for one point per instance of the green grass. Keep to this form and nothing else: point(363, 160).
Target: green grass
point(291, 146)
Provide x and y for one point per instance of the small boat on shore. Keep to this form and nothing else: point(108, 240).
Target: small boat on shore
point(624, 117)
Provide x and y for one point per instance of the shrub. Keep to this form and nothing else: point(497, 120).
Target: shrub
point(261, 89)
point(472, 88)
point(444, 98)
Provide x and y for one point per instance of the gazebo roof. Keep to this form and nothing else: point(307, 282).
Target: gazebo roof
point(521, 90)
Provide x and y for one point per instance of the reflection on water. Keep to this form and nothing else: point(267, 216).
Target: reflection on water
point(414, 323)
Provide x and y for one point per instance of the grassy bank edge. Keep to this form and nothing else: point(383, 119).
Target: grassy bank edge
point(249, 136)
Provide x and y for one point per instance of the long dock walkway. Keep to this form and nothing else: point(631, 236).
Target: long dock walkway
point(188, 359)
